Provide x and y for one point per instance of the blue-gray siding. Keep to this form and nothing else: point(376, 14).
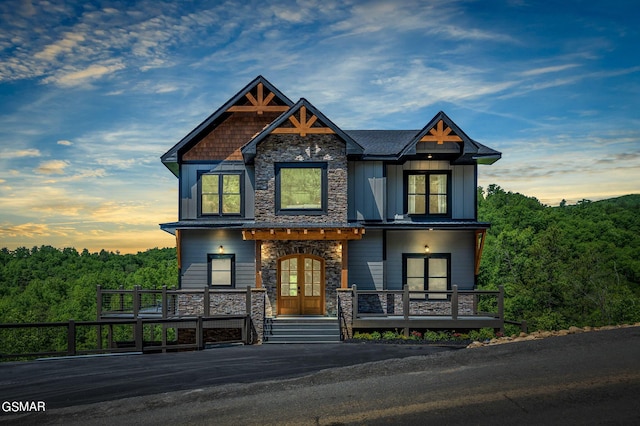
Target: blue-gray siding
point(366, 268)
point(196, 244)
point(366, 188)
point(189, 186)
point(461, 245)
point(463, 187)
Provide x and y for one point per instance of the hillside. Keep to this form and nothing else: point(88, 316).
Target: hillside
point(562, 266)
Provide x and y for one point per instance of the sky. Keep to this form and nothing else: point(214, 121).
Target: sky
point(92, 93)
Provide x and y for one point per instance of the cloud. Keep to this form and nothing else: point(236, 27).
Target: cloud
point(33, 230)
point(76, 78)
point(52, 167)
point(20, 153)
point(546, 70)
point(64, 142)
point(66, 45)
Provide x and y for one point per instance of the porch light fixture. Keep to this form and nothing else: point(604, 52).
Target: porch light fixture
point(426, 249)
point(221, 250)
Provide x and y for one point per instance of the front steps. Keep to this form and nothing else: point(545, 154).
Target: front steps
point(302, 329)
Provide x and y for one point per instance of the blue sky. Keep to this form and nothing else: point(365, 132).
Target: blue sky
point(92, 93)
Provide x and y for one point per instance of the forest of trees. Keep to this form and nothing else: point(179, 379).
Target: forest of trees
point(560, 266)
point(46, 284)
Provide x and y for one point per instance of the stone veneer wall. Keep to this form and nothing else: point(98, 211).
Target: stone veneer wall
point(345, 301)
point(223, 302)
point(294, 148)
point(392, 304)
point(328, 250)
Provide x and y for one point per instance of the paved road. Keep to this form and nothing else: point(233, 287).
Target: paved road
point(589, 378)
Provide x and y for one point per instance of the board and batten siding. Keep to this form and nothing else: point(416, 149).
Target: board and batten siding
point(366, 267)
point(461, 245)
point(366, 189)
point(198, 243)
point(463, 187)
point(189, 186)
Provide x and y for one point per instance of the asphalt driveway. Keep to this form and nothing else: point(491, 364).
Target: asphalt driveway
point(64, 382)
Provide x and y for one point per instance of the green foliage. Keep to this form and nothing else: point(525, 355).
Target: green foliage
point(561, 266)
point(46, 284)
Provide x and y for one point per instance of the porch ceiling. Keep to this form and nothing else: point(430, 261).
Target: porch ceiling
point(297, 234)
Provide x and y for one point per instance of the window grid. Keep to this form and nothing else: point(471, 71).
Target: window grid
point(427, 193)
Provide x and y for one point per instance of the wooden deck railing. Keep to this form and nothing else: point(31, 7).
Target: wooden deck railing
point(160, 303)
point(408, 309)
point(140, 327)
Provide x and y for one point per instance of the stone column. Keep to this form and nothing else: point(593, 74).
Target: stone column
point(345, 301)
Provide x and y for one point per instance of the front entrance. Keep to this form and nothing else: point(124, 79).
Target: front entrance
point(301, 285)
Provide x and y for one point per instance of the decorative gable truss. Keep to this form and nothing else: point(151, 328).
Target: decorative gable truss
point(303, 126)
point(258, 102)
point(441, 134)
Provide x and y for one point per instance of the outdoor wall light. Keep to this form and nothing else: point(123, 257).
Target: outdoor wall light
point(426, 249)
point(221, 250)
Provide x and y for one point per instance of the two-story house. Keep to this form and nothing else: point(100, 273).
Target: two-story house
point(274, 195)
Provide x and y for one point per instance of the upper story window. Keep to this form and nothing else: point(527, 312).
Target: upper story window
point(301, 188)
point(221, 194)
point(428, 193)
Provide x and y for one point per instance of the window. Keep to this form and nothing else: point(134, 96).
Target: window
point(427, 194)
point(220, 194)
point(301, 188)
point(427, 273)
point(221, 269)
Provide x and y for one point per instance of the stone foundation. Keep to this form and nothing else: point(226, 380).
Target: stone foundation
point(392, 304)
point(345, 302)
point(226, 302)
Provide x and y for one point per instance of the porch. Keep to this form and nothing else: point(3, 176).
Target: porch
point(357, 309)
point(411, 310)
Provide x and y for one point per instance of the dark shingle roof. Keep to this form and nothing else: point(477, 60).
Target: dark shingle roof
point(382, 142)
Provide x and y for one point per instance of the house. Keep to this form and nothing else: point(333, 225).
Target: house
point(276, 197)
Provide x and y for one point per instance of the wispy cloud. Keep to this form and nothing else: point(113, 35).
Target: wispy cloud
point(20, 153)
point(546, 70)
point(66, 78)
point(64, 142)
point(52, 167)
point(32, 230)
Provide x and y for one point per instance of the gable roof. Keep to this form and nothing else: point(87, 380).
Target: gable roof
point(435, 132)
point(318, 123)
point(235, 104)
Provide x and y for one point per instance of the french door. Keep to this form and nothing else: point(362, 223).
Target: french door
point(301, 285)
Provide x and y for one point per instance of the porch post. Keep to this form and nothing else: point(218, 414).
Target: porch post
point(258, 264)
point(454, 302)
point(406, 307)
point(344, 282)
point(354, 302)
point(99, 315)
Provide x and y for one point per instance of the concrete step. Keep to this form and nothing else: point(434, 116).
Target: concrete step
point(302, 330)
